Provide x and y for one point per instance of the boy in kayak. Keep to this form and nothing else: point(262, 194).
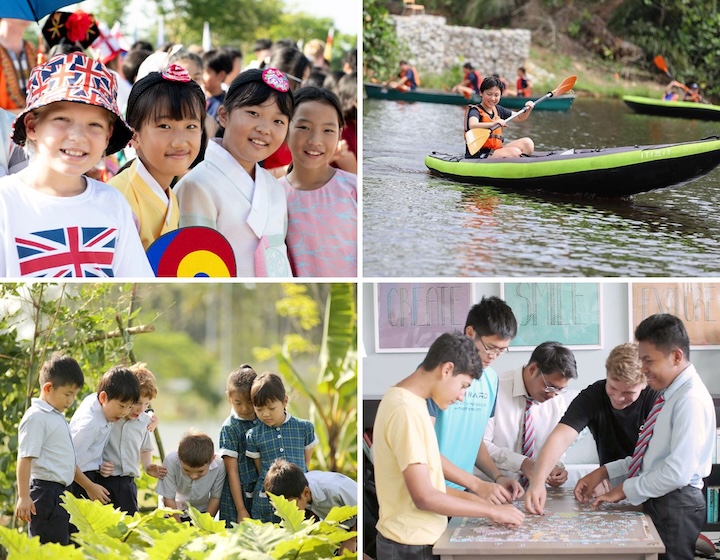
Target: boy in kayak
point(408, 78)
point(490, 113)
point(471, 81)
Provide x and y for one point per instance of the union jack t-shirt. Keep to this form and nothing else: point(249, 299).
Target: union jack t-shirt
point(90, 235)
point(68, 252)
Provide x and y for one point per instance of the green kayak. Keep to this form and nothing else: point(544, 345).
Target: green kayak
point(376, 91)
point(602, 172)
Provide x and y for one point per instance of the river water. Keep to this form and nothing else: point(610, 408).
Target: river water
point(416, 225)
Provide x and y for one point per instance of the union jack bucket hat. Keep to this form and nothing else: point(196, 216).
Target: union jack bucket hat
point(74, 77)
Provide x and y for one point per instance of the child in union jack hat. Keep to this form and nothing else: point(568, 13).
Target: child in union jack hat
point(55, 221)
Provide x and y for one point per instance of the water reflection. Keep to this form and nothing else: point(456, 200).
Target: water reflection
point(419, 225)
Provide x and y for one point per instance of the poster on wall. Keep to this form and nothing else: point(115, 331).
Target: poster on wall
point(410, 316)
point(566, 312)
point(697, 304)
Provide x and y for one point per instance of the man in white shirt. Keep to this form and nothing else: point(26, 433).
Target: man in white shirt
point(529, 405)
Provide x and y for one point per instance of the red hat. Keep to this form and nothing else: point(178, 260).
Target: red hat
point(74, 77)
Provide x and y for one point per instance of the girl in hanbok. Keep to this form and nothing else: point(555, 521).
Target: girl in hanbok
point(166, 111)
point(229, 191)
point(322, 200)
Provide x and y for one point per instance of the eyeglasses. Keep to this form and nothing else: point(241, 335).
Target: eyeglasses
point(492, 350)
point(552, 388)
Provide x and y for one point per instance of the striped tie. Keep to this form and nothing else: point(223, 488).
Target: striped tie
point(644, 437)
point(528, 446)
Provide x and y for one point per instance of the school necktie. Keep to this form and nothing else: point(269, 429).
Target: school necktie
point(528, 446)
point(644, 438)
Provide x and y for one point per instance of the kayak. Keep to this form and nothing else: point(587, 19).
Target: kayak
point(377, 91)
point(680, 109)
point(602, 172)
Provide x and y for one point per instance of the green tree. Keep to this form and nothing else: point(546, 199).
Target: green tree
point(333, 396)
point(381, 51)
point(110, 11)
point(231, 21)
point(86, 321)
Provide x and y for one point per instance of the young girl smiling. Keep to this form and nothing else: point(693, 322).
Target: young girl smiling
point(229, 191)
point(322, 200)
point(166, 110)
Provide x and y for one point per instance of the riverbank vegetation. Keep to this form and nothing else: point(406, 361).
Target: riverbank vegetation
point(609, 44)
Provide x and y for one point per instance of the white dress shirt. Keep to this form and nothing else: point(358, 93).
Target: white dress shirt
point(680, 450)
point(504, 432)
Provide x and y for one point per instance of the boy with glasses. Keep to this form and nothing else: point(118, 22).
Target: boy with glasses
point(491, 325)
point(529, 406)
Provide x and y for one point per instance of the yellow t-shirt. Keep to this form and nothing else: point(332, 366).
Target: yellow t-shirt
point(403, 435)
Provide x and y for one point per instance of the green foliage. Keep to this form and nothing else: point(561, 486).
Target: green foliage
point(37, 319)
point(333, 396)
point(110, 11)
point(231, 21)
point(180, 358)
point(381, 52)
point(685, 33)
point(105, 532)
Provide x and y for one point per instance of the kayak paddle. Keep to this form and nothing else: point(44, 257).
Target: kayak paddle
point(476, 137)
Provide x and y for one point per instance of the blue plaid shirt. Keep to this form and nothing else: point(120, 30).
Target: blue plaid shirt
point(288, 441)
point(232, 444)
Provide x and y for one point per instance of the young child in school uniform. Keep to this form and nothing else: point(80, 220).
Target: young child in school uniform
point(240, 471)
point(322, 200)
point(55, 221)
point(414, 501)
point(195, 476)
point(91, 425)
point(674, 449)
point(316, 492)
point(130, 445)
point(166, 111)
point(46, 459)
point(229, 191)
point(278, 435)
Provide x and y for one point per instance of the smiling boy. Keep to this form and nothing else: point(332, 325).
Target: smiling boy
point(55, 221)
point(46, 460)
point(613, 409)
point(674, 450)
point(414, 501)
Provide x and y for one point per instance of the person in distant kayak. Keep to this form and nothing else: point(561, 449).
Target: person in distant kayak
point(471, 81)
point(523, 85)
point(490, 113)
point(408, 79)
point(692, 93)
point(671, 91)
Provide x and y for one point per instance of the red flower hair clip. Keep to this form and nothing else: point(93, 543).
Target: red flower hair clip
point(276, 79)
point(176, 73)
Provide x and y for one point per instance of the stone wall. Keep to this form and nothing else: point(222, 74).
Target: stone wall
point(436, 47)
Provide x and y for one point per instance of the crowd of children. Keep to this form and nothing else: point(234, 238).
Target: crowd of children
point(222, 140)
point(98, 454)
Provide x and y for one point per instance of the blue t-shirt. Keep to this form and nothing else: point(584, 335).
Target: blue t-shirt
point(460, 428)
point(410, 75)
point(473, 79)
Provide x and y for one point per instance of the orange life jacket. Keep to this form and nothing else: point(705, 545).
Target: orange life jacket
point(523, 87)
point(495, 140)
